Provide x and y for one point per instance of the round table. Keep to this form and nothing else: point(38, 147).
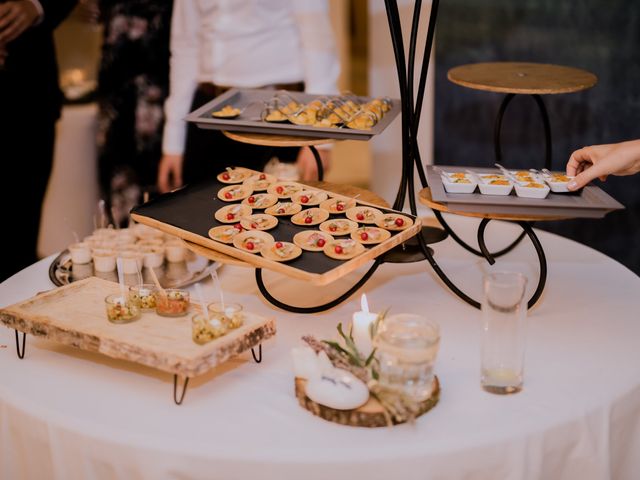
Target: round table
point(522, 78)
point(65, 413)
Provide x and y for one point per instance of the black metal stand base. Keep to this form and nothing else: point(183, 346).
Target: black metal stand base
point(20, 351)
point(410, 251)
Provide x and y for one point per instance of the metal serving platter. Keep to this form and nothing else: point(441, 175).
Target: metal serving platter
point(251, 101)
point(171, 274)
point(590, 202)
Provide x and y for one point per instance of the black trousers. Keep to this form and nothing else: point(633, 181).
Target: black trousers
point(208, 152)
point(26, 155)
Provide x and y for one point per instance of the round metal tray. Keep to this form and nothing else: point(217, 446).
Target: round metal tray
point(171, 274)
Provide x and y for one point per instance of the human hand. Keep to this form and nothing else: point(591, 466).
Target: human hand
point(15, 17)
point(169, 173)
point(307, 166)
point(89, 11)
point(600, 161)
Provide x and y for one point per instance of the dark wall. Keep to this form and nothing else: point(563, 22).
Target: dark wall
point(601, 36)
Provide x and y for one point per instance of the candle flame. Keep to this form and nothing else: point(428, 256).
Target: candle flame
point(364, 305)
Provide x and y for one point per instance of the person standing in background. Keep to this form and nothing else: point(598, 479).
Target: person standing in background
point(133, 83)
point(30, 104)
point(218, 44)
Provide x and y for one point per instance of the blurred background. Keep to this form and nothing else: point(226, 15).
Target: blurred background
point(457, 123)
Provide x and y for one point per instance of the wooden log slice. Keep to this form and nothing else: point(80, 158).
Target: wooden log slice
point(370, 415)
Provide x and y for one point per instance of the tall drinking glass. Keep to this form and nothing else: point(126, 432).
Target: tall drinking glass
point(504, 313)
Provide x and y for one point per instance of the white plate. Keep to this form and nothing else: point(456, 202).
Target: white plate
point(529, 192)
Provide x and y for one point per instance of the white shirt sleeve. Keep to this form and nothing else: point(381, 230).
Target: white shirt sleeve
point(319, 54)
point(183, 73)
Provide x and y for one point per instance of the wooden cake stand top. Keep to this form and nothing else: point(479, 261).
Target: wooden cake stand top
point(271, 140)
point(425, 199)
point(522, 78)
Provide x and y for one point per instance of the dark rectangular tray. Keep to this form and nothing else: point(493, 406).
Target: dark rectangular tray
point(249, 120)
point(189, 213)
point(590, 202)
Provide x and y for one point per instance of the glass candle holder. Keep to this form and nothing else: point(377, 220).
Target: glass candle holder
point(231, 316)
point(120, 309)
point(407, 346)
point(204, 329)
point(172, 302)
point(143, 296)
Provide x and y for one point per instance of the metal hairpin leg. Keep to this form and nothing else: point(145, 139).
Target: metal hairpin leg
point(316, 155)
point(175, 389)
point(545, 120)
point(528, 230)
point(20, 351)
point(320, 308)
point(257, 358)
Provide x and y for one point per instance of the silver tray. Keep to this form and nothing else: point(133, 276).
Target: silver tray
point(589, 202)
point(250, 121)
point(171, 274)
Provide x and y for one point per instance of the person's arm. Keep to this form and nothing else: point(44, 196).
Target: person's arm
point(600, 161)
point(321, 68)
point(183, 72)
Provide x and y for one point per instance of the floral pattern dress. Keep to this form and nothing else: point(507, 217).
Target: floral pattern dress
point(133, 83)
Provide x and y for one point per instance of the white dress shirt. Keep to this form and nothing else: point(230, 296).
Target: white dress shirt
point(246, 43)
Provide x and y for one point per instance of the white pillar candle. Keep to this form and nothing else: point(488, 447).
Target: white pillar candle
point(362, 322)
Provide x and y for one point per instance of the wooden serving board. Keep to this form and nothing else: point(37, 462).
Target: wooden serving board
point(189, 213)
point(75, 315)
point(370, 415)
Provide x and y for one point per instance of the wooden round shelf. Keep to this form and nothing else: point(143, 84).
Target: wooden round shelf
point(522, 78)
point(425, 198)
point(269, 140)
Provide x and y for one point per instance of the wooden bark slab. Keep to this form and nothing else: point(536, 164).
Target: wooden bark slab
point(75, 315)
point(273, 140)
point(370, 415)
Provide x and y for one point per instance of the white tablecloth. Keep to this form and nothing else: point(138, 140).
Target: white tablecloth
point(68, 414)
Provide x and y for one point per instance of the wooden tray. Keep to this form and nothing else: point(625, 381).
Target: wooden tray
point(188, 213)
point(75, 315)
point(250, 120)
point(590, 202)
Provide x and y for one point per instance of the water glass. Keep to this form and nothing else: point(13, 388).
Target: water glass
point(504, 312)
point(406, 349)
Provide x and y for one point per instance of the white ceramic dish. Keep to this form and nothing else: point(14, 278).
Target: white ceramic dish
point(451, 186)
point(531, 192)
point(488, 189)
point(558, 186)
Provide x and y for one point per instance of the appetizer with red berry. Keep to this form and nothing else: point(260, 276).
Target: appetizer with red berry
point(281, 251)
point(283, 209)
point(394, 221)
point(252, 241)
point(260, 181)
point(259, 221)
point(234, 175)
point(312, 240)
point(284, 189)
point(310, 216)
point(343, 249)
point(232, 213)
point(233, 193)
point(364, 214)
point(225, 233)
point(338, 205)
point(340, 226)
point(260, 200)
point(370, 235)
point(309, 197)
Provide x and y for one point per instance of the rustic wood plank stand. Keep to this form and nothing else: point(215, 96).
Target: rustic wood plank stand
point(75, 315)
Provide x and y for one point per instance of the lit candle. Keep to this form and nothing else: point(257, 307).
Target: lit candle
point(362, 322)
